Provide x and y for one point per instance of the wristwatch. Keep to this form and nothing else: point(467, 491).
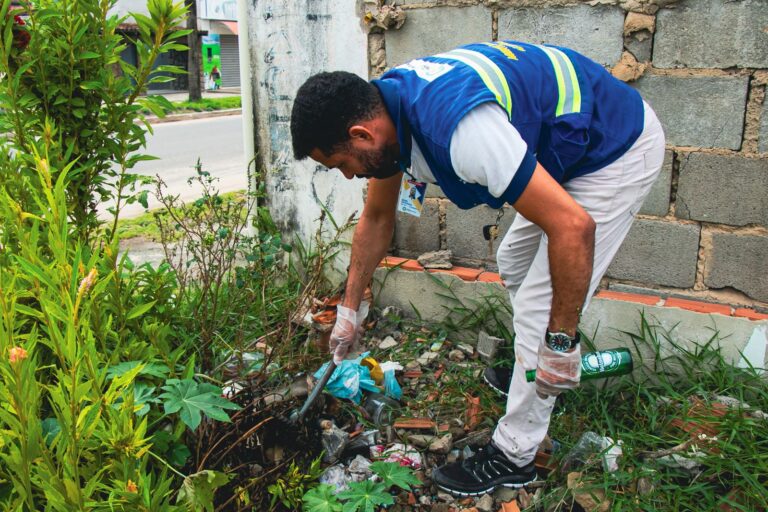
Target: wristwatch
point(561, 342)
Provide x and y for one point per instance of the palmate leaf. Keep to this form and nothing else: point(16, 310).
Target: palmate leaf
point(321, 499)
point(151, 369)
point(197, 491)
point(191, 400)
point(365, 496)
point(392, 473)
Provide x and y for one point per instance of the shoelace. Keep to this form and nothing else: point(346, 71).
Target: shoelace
point(483, 466)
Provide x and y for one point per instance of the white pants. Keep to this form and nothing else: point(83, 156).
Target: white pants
point(612, 196)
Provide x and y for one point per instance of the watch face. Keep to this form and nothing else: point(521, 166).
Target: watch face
point(560, 342)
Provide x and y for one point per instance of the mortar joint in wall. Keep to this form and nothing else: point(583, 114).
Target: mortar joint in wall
point(674, 180)
point(377, 54)
point(755, 98)
point(442, 230)
point(746, 230)
point(699, 72)
point(705, 246)
point(495, 24)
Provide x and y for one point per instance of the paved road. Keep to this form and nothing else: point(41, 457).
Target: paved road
point(217, 141)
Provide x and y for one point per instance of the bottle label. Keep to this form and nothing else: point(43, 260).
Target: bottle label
point(600, 362)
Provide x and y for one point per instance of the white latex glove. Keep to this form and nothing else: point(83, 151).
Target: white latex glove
point(557, 371)
point(347, 330)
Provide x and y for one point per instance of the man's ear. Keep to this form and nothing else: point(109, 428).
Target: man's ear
point(360, 132)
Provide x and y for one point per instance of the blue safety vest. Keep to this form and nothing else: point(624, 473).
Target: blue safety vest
point(573, 115)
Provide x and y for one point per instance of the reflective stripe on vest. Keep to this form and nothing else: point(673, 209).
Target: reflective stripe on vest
point(569, 93)
point(489, 72)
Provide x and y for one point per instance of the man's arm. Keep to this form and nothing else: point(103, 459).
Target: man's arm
point(571, 234)
point(372, 237)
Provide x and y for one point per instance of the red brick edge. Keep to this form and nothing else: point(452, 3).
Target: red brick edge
point(472, 274)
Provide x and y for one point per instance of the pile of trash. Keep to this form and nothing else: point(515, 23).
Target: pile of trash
point(401, 401)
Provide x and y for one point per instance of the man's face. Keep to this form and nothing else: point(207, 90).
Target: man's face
point(358, 162)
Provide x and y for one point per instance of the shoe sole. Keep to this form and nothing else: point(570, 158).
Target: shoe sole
point(495, 388)
point(462, 494)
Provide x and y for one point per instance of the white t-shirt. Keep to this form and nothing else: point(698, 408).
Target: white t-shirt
point(485, 149)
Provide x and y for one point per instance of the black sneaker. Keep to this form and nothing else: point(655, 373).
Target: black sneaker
point(498, 378)
point(482, 473)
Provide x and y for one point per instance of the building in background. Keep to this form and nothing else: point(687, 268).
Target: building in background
point(217, 25)
point(219, 18)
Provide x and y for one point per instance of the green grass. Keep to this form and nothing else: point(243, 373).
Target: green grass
point(204, 105)
point(645, 410)
point(144, 225)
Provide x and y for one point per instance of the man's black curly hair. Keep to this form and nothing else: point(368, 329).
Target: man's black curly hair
point(326, 105)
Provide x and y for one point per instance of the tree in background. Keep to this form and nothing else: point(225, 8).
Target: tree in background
point(68, 99)
point(194, 56)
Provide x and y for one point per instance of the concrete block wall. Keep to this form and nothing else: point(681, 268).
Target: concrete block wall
point(742, 333)
point(702, 65)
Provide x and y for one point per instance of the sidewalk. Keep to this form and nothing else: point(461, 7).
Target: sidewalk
point(184, 95)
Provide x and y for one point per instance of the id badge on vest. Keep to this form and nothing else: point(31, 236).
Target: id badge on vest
point(411, 198)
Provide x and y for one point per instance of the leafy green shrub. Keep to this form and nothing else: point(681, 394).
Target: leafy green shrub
point(85, 339)
point(83, 425)
point(68, 97)
point(71, 437)
point(363, 496)
point(234, 279)
point(289, 488)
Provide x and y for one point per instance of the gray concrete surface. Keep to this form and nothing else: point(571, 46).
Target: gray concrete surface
point(218, 142)
point(608, 323)
point(464, 230)
point(658, 252)
point(723, 189)
point(704, 111)
point(712, 34)
point(594, 31)
point(640, 45)
point(738, 261)
point(417, 235)
point(657, 202)
point(427, 32)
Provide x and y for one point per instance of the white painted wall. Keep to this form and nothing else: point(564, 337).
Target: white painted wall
point(290, 41)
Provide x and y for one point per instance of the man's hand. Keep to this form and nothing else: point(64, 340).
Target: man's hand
point(557, 371)
point(347, 330)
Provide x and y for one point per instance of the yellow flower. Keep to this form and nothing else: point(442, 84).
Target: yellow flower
point(131, 486)
point(17, 354)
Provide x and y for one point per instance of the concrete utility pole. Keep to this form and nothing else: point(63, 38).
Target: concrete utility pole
point(194, 55)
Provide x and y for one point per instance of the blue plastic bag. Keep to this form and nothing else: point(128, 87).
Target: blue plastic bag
point(348, 379)
point(391, 386)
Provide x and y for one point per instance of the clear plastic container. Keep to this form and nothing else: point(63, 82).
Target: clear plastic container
point(382, 409)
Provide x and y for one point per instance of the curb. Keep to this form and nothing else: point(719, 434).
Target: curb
point(187, 116)
point(472, 275)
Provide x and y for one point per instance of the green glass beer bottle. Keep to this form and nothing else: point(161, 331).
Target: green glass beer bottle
point(598, 365)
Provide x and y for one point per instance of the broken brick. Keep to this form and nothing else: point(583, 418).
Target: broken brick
point(415, 423)
point(473, 412)
point(543, 462)
point(509, 506)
